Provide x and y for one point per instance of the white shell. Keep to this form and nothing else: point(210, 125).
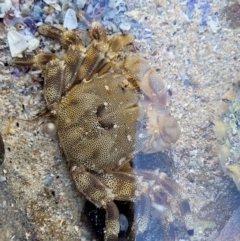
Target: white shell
point(70, 20)
point(33, 44)
point(125, 26)
point(114, 3)
point(5, 6)
point(49, 19)
point(17, 43)
point(81, 3)
point(27, 34)
point(54, 4)
point(56, 7)
point(50, 2)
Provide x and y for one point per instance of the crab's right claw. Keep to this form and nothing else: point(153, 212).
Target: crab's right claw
point(157, 129)
point(146, 78)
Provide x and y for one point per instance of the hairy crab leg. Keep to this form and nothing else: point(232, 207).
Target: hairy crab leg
point(147, 189)
point(53, 82)
point(167, 185)
point(37, 60)
point(101, 196)
point(65, 37)
point(73, 61)
point(95, 55)
point(102, 52)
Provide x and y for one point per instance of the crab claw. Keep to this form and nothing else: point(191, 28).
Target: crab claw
point(157, 129)
point(146, 78)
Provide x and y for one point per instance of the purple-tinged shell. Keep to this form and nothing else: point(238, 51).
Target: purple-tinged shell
point(190, 7)
point(30, 24)
point(205, 12)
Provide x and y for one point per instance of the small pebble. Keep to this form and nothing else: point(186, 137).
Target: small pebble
point(37, 13)
point(125, 26)
point(2, 179)
point(49, 129)
point(123, 222)
point(48, 180)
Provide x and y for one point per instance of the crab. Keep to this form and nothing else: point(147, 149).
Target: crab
point(106, 111)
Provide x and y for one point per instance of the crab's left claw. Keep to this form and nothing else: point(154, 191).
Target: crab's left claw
point(157, 129)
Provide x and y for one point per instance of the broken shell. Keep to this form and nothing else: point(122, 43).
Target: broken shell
point(30, 24)
point(37, 13)
point(66, 5)
point(17, 43)
point(46, 10)
point(113, 3)
point(49, 19)
point(5, 6)
point(19, 26)
point(53, 4)
point(15, 3)
point(125, 26)
point(81, 3)
point(56, 7)
point(50, 2)
point(33, 44)
point(70, 20)
point(50, 9)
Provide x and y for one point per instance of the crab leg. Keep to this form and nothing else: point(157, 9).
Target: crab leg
point(38, 60)
point(94, 60)
point(101, 190)
point(171, 188)
point(65, 37)
point(157, 128)
point(73, 61)
point(53, 81)
point(112, 222)
point(102, 52)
